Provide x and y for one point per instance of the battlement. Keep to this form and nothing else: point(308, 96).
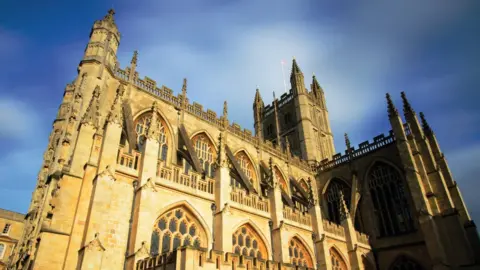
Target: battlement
point(284, 99)
point(166, 94)
point(200, 258)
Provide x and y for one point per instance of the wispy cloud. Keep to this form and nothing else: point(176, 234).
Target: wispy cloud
point(17, 120)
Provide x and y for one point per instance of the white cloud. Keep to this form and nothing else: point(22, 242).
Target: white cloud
point(17, 119)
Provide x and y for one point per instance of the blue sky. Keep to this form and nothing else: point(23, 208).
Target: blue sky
point(358, 51)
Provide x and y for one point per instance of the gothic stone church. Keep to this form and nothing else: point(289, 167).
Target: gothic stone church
point(135, 177)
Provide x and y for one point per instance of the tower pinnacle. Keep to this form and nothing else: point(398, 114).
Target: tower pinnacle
point(407, 108)
point(426, 126)
point(392, 111)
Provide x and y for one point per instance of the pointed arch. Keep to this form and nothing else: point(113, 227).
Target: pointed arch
point(195, 217)
point(388, 192)
point(337, 259)
point(281, 178)
point(206, 133)
point(405, 262)
point(340, 178)
point(249, 224)
point(206, 151)
point(246, 163)
point(299, 252)
point(166, 138)
point(332, 198)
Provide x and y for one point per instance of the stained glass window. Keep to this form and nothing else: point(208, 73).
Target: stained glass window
point(141, 127)
point(247, 242)
point(390, 204)
point(206, 153)
point(298, 253)
point(175, 228)
point(247, 167)
point(337, 262)
point(332, 197)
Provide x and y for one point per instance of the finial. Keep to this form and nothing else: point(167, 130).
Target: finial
point(295, 67)
point(406, 105)
point(392, 111)
point(313, 74)
point(347, 142)
point(274, 96)
point(426, 126)
point(155, 106)
point(134, 58)
point(109, 16)
point(184, 87)
point(225, 109)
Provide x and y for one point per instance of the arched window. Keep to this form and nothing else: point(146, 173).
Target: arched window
point(332, 197)
point(390, 204)
point(298, 253)
point(280, 179)
point(246, 241)
point(206, 153)
point(177, 227)
point(247, 167)
point(337, 261)
point(405, 263)
point(2, 250)
point(141, 126)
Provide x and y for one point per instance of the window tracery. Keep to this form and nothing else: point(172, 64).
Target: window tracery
point(176, 228)
point(206, 153)
point(141, 126)
point(337, 261)
point(390, 204)
point(247, 167)
point(333, 199)
point(299, 254)
point(247, 242)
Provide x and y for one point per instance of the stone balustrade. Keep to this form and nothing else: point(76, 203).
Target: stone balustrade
point(333, 228)
point(191, 179)
point(302, 218)
point(251, 200)
point(128, 160)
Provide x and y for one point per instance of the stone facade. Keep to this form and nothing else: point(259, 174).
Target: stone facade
point(11, 226)
point(135, 177)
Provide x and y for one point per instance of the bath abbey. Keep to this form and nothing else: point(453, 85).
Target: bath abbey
point(137, 177)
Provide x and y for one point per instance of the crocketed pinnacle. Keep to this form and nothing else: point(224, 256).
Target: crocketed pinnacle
point(258, 97)
point(134, 58)
point(295, 67)
point(425, 125)
point(407, 109)
point(109, 17)
point(92, 114)
point(347, 141)
point(315, 84)
point(225, 109)
point(153, 131)
point(184, 87)
point(392, 111)
point(116, 113)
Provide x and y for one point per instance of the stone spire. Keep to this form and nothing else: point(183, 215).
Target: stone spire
point(425, 125)
point(258, 107)
point(92, 113)
point(116, 113)
point(407, 108)
point(392, 111)
point(258, 97)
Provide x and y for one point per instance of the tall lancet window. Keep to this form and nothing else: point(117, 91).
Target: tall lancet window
point(390, 204)
point(333, 199)
point(206, 153)
point(141, 126)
